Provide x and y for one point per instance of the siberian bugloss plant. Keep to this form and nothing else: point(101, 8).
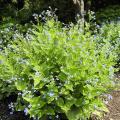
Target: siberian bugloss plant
point(111, 33)
point(59, 70)
point(10, 30)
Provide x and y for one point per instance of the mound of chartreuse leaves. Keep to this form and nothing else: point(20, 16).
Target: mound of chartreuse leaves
point(58, 71)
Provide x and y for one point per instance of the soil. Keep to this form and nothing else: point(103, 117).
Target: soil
point(114, 107)
point(114, 104)
point(5, 114)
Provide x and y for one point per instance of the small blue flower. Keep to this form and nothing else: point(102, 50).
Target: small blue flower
point(50, 117)
point(37, 73)
point(26, 111)
point(51, 94)
point(11, 113)
point(57, 116)
point(1, 62)
point(110, 97)
point(19, 93)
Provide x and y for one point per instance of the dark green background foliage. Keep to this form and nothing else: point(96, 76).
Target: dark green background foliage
point(108, 14)
point(97, 4)
point(22, 10)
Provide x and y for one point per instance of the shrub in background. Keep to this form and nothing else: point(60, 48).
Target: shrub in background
point(59, 70)
point(22, 10)
point(108, 14)
point(111, 33)
point(9, 31)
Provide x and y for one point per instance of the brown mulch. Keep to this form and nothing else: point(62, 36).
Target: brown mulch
point(114, 104)
point(114, 107)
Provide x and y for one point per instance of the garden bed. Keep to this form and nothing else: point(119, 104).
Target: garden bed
point(113, 106)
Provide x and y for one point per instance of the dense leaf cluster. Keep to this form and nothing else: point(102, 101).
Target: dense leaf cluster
point(59, 70)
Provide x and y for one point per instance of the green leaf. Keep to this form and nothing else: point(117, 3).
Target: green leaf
point(20, 86)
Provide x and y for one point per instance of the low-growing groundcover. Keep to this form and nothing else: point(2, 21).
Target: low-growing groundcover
point(58, 71)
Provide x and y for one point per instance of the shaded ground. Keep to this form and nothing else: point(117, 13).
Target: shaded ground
point(114, 107)
point(5, 114)
point(114, 104)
